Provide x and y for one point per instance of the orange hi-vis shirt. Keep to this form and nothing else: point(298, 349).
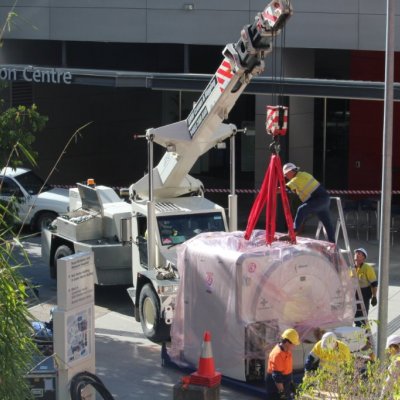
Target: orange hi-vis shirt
point(280, 361)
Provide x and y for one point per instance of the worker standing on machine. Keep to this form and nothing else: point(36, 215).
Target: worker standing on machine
point(279, 380)
point(314, 197)
point(368, 283)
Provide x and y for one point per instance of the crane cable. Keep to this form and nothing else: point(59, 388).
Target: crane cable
point(282, 71)
point(274, 176)
point(278, 94)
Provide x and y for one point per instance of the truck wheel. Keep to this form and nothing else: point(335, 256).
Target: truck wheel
point(153, 326)
point(43, 220)
point(62, 251)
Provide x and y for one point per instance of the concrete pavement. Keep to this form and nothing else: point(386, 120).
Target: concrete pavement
point(126, 361)
point(130, 365)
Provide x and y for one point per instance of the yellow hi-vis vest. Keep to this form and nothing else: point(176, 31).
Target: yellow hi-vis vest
point(332, 360)
point(365, 274)
point(303, 184)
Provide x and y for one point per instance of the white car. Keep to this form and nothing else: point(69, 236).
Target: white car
point(35, 209)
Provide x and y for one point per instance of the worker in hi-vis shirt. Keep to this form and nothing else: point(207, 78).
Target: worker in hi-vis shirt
point(279, 378)
point(314, 197)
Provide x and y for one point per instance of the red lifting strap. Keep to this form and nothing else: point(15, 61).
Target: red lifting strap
point(267, 195)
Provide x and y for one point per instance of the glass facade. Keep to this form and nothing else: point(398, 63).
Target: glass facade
point(331, 142)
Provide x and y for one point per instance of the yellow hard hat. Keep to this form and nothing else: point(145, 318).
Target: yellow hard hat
point(291, 335)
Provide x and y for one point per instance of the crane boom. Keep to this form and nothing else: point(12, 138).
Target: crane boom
point(187, 140)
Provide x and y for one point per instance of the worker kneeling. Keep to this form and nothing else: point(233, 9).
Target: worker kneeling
point(279, 380)
point(329, 353)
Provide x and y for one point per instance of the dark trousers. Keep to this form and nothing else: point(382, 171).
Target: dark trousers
point(317, 204)
point(272, 391)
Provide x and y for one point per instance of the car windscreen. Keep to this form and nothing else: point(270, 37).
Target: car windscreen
point(31, 182)
point(179, 228)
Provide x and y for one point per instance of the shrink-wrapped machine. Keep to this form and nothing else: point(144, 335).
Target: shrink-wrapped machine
point(246, 293)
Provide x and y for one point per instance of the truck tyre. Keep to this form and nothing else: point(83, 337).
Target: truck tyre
point(153, 326)
point(62, 251)
point(43, 220)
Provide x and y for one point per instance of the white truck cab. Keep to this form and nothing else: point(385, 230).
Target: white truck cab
point(155, 285)
point(38, 204)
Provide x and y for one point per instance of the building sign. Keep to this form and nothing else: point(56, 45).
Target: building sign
point(74, 321)
point(35, 74)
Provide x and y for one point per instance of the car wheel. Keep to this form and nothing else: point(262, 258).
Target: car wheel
point(43, 220)
point(153, 326)
point(62, 251)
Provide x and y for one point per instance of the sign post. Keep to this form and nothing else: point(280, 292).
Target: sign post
point(74, 339)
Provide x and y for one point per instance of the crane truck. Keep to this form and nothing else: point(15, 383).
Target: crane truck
point(167, 206)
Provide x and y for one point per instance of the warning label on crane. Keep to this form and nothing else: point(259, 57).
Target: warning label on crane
point(224, 74)
point(209, 97)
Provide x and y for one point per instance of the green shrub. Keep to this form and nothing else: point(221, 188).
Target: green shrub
point(362, 379)
point(8, 214)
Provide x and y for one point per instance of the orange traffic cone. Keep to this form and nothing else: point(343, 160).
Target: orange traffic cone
point(206, 374)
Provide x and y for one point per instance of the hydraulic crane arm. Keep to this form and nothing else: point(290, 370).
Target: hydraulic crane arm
point(187, 140)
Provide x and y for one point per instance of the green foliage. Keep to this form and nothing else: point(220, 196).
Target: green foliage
point(8, 213)
point(18, 126)
point(17, 348)
point(362, 379)
point(7, 24)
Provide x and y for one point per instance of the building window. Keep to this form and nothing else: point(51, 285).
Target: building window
point(331, 145)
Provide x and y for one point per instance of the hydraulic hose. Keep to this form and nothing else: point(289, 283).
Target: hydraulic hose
point(82, 379)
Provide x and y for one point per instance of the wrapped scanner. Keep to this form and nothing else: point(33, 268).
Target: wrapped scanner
point(246, 293)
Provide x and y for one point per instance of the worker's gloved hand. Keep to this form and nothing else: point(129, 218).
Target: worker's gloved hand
point(374, 301)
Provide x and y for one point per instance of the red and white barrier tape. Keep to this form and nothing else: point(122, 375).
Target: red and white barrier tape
point(255, 191)
point(332, 192)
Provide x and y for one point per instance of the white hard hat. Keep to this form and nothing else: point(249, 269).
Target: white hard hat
point(328, 341)
point(392, 339)
point(289, 167)
point(362, 250)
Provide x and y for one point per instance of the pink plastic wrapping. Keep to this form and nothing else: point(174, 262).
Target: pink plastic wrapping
point(246, 293)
